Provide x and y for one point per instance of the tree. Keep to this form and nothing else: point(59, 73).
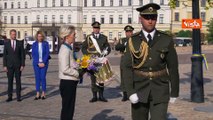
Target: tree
point(172, 4)
point(183, 33)
point(210, 31)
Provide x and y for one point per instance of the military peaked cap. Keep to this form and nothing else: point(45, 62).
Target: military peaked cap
point(148, 9)
point(128, 28)
point(96, 24)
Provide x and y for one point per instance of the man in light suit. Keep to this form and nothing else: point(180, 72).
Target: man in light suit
point(13, 63)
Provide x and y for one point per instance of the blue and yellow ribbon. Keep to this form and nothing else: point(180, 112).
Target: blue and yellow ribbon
point(204, 60)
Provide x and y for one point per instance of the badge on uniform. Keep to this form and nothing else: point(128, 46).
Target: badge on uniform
point(162, 55)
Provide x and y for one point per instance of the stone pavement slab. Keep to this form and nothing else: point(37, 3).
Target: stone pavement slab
point(49, 109)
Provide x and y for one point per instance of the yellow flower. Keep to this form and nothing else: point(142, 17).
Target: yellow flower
point(78, 60)
point(85, 61)
point(84, 64)
point(85, 57)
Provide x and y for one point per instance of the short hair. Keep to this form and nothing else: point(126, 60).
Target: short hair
point(65, 31)
point(12, 30)
point(39, 32)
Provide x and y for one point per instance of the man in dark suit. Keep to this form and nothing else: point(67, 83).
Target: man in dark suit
point(13, 63)
point(151, 68)
point(121, 46)
point(88, 47)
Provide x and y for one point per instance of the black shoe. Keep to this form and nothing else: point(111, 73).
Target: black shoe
point(124, 99)
point(36, 98)
point(93, 100)
point(19, 99)
point(43, 97)
point(9, 99)
point(101, 97)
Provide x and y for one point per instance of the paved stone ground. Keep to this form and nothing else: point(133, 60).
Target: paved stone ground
point(49, 109)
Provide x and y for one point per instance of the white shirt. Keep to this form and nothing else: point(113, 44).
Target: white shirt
point(13, 41)
point(146, 34)
point(40, 51)
point(97, 35)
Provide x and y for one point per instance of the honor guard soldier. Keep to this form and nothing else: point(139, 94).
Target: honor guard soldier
point(121, 46)
point(94, 47)
point(151, 68)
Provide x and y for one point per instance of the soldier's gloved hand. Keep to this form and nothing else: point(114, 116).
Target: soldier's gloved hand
point(134, 98)
point(125, 43)
point(105, 52)
point(172, 100)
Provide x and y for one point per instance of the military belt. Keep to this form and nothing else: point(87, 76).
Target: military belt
point(152, 74)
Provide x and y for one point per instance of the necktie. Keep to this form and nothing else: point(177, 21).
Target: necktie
point(150, 39)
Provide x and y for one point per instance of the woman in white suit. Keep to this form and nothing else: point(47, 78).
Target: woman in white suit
point(68, 75)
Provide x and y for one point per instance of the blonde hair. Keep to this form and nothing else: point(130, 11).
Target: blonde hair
point(39, 32)
point(66, 30)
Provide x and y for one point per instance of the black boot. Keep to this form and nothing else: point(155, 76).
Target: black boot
point(19, 97)
point(101, 96)
point(125, 98)
point(9, 99)
point(94, 98)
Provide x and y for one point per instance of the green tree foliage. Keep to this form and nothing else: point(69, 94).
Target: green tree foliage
point(210, 31)
point(186, 33)
point(172, 4)
point(168, 32)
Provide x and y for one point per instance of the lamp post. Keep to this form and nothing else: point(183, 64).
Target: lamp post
point(197, 92)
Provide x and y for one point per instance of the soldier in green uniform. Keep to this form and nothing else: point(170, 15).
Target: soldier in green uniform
point(121, 46)
point(101, 47)
point(151, 68)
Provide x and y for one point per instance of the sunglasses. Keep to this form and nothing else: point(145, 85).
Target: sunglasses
point(148, 17)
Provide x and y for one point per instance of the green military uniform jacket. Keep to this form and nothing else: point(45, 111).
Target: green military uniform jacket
point(121, 46)
point(89, 48)
point(161, 55)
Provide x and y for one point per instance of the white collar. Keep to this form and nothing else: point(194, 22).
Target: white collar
point(13, 41)
point(151, 33)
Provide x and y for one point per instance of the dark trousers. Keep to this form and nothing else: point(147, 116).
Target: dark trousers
point(68, 95)
point(95, 88)
point(29, 54)
point(122, 80)
point(140, 111)
point(10, 75)
point(40, 77)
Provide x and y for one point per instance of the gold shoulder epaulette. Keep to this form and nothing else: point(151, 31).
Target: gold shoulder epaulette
point(165, 33)
point(135, 34)
point(103, 35)
point(87, 37)
point(121, 40)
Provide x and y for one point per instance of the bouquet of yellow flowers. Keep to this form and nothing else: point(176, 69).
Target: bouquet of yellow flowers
point(87, 63)
point(99, 66)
